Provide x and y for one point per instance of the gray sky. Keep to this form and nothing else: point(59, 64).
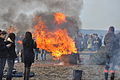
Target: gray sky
point(100, 14)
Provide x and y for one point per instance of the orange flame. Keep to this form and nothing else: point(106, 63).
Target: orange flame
point(57, 42)
point(59, 18)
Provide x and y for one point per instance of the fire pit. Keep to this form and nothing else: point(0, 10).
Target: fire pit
point(69, 58)
point(54, 35)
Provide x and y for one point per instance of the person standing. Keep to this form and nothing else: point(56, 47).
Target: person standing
point(110, 47)
point(43, 54)
point(3, 52)
point(28, 53)
point(90, 43)
point(19, 46)
point(97, 42)
point(36, 51)
point(11, 55)
point(85, 40)
point(79, 42)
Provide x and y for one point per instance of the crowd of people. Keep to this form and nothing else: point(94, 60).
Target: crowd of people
point(91, 42)
point(8, 53)
point(29, 51)
point(110, 43)
point(40, 54)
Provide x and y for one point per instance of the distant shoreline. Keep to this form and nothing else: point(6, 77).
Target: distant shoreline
point(99, 32)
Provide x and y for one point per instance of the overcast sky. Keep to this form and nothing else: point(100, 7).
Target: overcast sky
point(100, 14)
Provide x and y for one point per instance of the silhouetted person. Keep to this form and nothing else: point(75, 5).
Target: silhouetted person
point(110, 47)
point(28, 53)
point(3, 52)
point(11, 55)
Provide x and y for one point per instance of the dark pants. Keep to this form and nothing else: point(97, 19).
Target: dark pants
point(27, 70)
point(43, 55)
point(27, 64)
point(36, 56)
point(110, 66)
point(2, 65)
point(10, 62)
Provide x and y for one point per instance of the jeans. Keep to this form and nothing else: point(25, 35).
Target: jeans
point(43, 55)
point(2, 65)
point(10, 62)
point(27, 66)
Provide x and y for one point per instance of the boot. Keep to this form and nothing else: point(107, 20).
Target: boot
point(106, 76)
point(112, 76)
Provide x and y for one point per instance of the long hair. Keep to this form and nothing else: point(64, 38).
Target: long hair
point(28, 35)
point(28, 41)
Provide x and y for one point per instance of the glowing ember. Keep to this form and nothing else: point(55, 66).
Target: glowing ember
point(57, 42)
point(59, 18)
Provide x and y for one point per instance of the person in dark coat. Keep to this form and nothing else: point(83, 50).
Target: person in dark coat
point(79, 42)
point(97, 42)
point(11, 55)
point(28, 53)
point(3, 52)
point(110, 47)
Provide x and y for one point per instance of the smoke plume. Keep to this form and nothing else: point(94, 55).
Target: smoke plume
point(20, 12)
